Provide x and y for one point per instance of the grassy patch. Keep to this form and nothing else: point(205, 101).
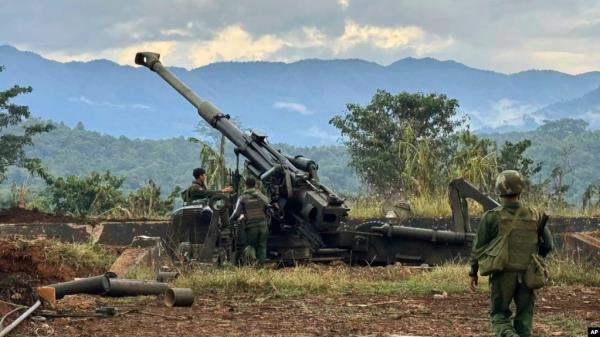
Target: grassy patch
point(302, 280)
point(420, 206)
point(140, 273)
point(79, 256)
point(565, 270)
point(307, 279)
point(365, 208)
point(430, 206)
point(562, 325)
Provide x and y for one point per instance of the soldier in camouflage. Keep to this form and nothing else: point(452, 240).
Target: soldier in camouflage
point(198, 188)
point(251, 211)
point(508, 285)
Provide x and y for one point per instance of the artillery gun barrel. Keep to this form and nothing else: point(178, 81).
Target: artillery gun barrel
point(260, 158)
point(432, 235)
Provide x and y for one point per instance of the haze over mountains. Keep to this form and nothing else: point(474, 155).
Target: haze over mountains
point(290, 102)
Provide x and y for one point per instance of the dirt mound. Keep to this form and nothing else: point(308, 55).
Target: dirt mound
point(26, 261)
point(21, 215)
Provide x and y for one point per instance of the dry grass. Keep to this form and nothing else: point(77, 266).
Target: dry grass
point(301, 280)
point(430, 206)
point(365, 208)
point(563, 324)
point(79, 256)
point(421, 206)
point(451, 278)
point(572, 270)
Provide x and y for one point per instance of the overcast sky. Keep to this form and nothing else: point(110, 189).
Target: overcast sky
point(505, 36)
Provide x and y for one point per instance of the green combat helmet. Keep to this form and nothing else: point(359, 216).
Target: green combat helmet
point(509, 183)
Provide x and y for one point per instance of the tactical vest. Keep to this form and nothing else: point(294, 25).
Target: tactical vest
point(522, 241)
point(254, 208)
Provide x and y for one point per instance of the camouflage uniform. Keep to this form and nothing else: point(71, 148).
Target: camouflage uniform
point(252, 204)
point(196, 191)
point(522, 242)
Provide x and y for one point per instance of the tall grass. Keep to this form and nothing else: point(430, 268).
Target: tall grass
point(365, 208)
point(571, 270)
point(420, 206)
point(79, 256)
point(430, 206)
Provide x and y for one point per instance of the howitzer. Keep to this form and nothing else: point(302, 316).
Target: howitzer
point(309, 217)
point(306, 207)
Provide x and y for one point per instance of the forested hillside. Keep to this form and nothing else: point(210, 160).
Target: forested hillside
point(76, 151)
point(566, 147)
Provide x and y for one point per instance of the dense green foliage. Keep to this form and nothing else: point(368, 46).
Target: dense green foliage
point(12, 144)
point(568, 150)
point(401, 141)
point(168, 163)
point(413, 144)
point(85, 195)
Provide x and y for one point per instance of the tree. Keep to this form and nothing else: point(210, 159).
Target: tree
point(96, 194)
point(146, 202)
point(394, 135)
point(512, 158)
point(12, 143)
point(213, 162)
point(563, 127)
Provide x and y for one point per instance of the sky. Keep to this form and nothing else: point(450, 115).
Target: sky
point(505, 36)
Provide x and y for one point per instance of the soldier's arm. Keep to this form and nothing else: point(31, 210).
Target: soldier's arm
point(237, 211)
point(485, 233)
point(547, 246)
point(262, 197)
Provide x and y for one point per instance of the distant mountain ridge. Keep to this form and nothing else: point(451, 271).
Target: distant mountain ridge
point(290, 102)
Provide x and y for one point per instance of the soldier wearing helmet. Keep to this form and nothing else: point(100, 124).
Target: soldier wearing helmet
point(513, 230)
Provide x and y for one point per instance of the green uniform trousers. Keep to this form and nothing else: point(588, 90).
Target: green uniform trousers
point(506, 286)
point(256, 241)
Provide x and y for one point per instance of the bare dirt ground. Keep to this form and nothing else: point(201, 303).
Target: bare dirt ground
point(462, 315)
point(17, 262)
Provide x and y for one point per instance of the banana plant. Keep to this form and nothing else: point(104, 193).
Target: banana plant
point(213, 162)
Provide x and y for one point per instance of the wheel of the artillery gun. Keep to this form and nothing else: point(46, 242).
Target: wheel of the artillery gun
point(188, 224)
point(370, 248)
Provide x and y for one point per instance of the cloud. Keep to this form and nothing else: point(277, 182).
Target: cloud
point(344, 4)
point(393, 37)
point(293, 106)
point(87, 101)
point(323, 136)
point(505, 112)
point(233, 43)
point(592, 117)
point(120, 55)
point(505, 36)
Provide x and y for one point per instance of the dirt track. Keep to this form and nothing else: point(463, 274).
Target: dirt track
point(319, 315)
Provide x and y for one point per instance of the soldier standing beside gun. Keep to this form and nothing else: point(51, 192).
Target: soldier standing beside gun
point(251, 210)
point(507, 245)
point(198, 188)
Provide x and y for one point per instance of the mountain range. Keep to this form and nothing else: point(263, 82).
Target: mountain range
point(290, 102)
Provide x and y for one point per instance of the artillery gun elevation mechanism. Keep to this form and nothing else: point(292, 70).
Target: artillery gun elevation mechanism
point(310, 219)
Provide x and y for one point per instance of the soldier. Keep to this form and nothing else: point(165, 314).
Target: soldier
point(523, 241)
point(198, 188)
point(251, 210)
